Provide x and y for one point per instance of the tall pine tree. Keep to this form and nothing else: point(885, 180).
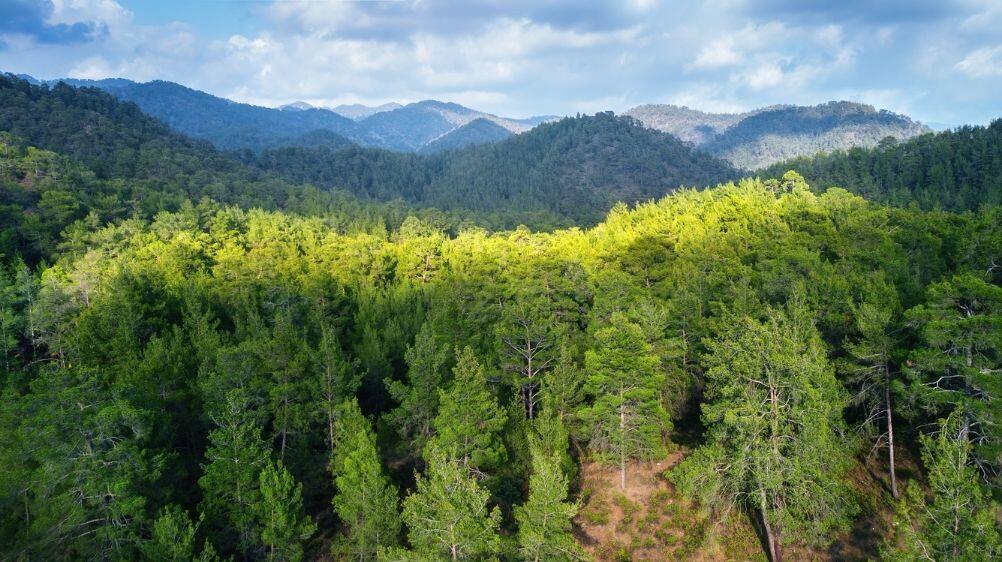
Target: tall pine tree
point(365, 501)
point(418, 398)
point(958, 522)
point(284, 527)
point(447, 515)
point(627, 419)
point(544, 520)
point(469, 420)
point(774, 431)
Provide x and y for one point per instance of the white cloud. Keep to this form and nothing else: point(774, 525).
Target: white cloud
point(105, 12)
point(982, 63)
point(539, 56)
point(717, 54)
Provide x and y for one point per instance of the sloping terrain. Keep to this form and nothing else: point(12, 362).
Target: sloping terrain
point(576, 168)
point(478, 131)
point(230, 125)
point(765, 136)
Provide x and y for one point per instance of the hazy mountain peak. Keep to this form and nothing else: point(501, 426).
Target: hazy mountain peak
point(296, 106)
point(358, 111)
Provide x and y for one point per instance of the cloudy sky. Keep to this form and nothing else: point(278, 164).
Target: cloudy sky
point(937, 60)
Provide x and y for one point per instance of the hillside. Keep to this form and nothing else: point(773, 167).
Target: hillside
point(415, 125)
point(169, 377)
point(765, 136)
point(226, 124)
point(958, 170)
point(203, 357)
point(230, 125)
point(575, 168)
point(478, 131)
point(78, 154)
point(691, 125)
point(358, 111)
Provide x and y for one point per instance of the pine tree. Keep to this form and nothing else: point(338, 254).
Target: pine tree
point(447, 515)
point(366, 500)
point(871, 376)
point(960, 325)
point(544, 521)
point(527, 342)
point(562, 389)
point(624, 378)
point(958, 523)
point(774, 426)
point(287, 359)
point(333, 382)
point(284, 527)
point(172, 538)
point(230, 481)
point(418, 398)
point(469, 420)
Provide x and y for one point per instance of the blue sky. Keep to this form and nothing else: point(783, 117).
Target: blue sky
point(939, 61)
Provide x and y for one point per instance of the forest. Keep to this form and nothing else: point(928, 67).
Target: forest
point(204, 357)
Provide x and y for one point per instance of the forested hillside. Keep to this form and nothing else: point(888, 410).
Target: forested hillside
point(765, 136)
point(959, 169)
point(229, 125)
point(574, 169)
point(478, 131)
point(224, 123)
point(222, 382)
point(77, 154)
point(205, 357)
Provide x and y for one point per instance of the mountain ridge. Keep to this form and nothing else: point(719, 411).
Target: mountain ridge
point(233, 125)
point(765, 136)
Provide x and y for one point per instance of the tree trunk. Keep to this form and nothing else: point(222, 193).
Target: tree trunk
point(770, 538)
point(282, 452)
point(528, 386)
point(622, 441)
point(890, 436)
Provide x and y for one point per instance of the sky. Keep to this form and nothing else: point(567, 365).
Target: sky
point(939, 61)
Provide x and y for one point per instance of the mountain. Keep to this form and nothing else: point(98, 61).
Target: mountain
point(765, 136)
point(358, 111)
point(79, 154)
point(226, 124)
point(478, 131)
point(296, 106)
point(414, 125)
point(690, 125)
point(956, 170)
point(572, 170)
point(230, 125)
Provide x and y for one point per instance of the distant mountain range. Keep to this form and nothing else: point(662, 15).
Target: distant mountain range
point(765, 136)
point(563, 173)
point(230, 125)
point(750, 140)
point(566, 172)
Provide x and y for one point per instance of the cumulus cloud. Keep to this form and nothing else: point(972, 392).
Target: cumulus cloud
point(522, 57)
point(39, 20)
point(863, 11)
point(982, 63)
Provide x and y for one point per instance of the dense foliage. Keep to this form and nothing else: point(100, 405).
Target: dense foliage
point(204, 364)
point(957, 170)
point(574, 169)
point(478, 131)
point(301, 377)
